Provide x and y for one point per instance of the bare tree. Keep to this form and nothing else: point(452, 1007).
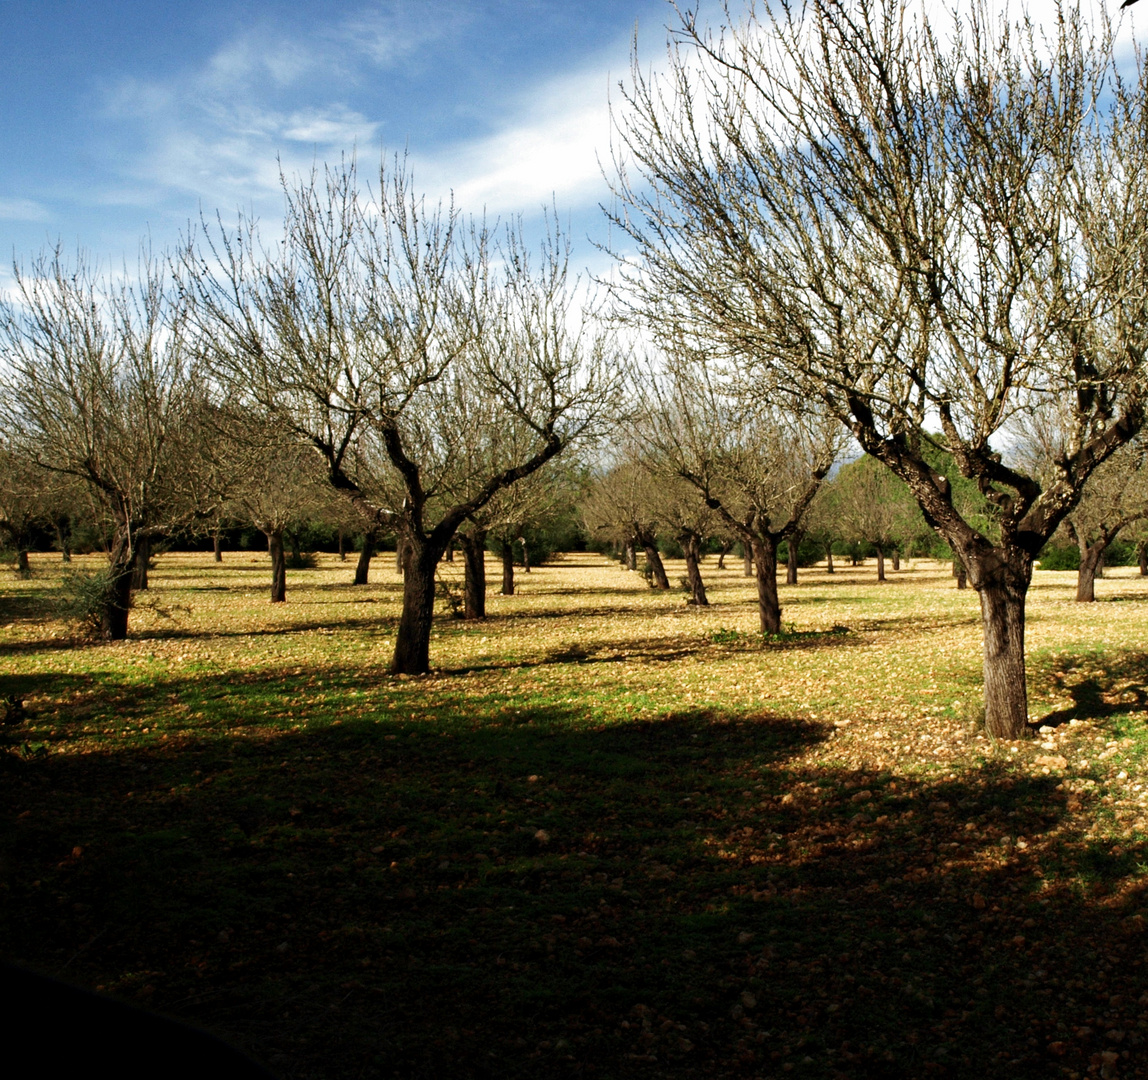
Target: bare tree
point(379, 320)
point(620, 506)
point(874, 506)
point(911, 227)
point(1115, 497)
point(756, 465)
point(98, 386)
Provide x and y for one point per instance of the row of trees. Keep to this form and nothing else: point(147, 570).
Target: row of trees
point(906, 231)
point(411, 363)
point(839, 224)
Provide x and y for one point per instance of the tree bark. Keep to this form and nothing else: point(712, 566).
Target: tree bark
point(1002, 585)
point(657, 568)
point(629, 556)
point(1142, 557)
point(412, 643)
point(747, 560)
point(691, 545)
point(725, 550)
point(118, 600)
point(880, 562)
point(960, 573)
point(895, 554)
point(217, 546)
point(363, 566)
point(525, 555)
point(63, 541)
point(474, 574)
point(764, 552)
point(508, 569)
point(791, 559)
point(139, 564)
point(400, 553)
point(278, 566)
point(829, 558)
point(342, 546)
point(1091, 558)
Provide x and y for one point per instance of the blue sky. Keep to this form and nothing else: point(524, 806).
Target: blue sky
point(124, 118)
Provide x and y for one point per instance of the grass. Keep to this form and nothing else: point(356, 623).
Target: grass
point(610, 835)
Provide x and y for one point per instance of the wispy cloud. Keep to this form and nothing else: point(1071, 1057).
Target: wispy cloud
point(23, 210)
point(547, 150)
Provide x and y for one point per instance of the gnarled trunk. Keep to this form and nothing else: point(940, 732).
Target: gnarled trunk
point(726, 548)
point(1002, 580)
point(1091, 560)
point(791, 559)
point(139, 564)
point(508, 569)
point(629, 556)
point(278, 566)
point(474, 574)
point(118, 599)
point(412, 643)
point(366, 553)
point(764, 552)
point(692, 545)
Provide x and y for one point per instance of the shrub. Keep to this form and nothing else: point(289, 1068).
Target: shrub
point(84, 597)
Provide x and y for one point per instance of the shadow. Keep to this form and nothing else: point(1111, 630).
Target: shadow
point(1122, 686)
point(441, 881)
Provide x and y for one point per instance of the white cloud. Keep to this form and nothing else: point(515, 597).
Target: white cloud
point(23, 210)
point(548, 152)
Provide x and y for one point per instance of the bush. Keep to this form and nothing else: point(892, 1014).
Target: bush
point(301, 560)
point(84, 597)
point(1059, 557)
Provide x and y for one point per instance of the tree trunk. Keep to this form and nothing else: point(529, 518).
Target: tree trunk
point(765, 569)
point(747, 560)
point(658, 570)
point(400, 553)
point(1142, 557)
point(278, 567)
point(895, 554)
point(1002, 585)
point(525, 555)
point(1102, 562)
point(1091, 557)
point(63, 542)
point(412, 643)
point(217, 546)
point(363, 566)
point(880, 562)
point(508, 569)
point(791, 559)
point(22, 567)
point(342, 546)
point(960, 573)
point(474, 574)
point(829, 558)
point(725, 550)
point(118, 599)
point(139, 564)
point(691, 545)
point(450, 552)
point(630, 557)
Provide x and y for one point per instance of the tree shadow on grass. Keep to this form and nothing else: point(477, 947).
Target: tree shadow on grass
point(449, 890)
point(1121, 687)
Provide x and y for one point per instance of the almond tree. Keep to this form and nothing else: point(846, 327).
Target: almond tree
point(380, 320)
point(98, 383)
point(913, 228)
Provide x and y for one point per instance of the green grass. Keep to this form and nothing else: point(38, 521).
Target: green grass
point(611, 835)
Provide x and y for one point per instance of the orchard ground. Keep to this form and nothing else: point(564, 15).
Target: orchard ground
point(610, 835)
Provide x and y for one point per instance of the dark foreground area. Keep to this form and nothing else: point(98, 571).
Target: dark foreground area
point(523, 897)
